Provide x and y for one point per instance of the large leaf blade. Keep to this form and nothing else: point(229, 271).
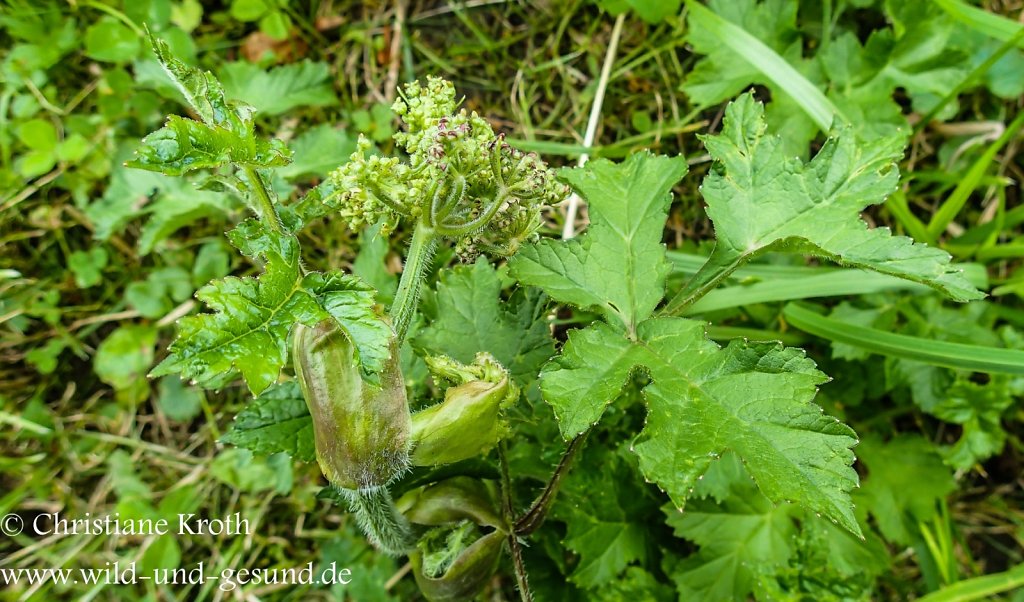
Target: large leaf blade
point(751, 398)
point(628, 203)
point(760, 200)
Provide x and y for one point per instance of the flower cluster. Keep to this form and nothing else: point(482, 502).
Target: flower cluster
point(461, 180)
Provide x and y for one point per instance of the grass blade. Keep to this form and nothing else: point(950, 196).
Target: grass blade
point(952, 205)
point(827, 283)
point(979, 587)
point(958, 356)
point(983, 21)
point(898, 207)
point(787, 79)
point(792, 282)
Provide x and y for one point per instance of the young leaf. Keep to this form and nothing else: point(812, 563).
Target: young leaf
point(224, 134)
point(624, 239)
point(249, 330)
point(471, 318)
point(352, 303)
point(254, 316)
point(184, 145)
point(760, 200)
point(200, 88)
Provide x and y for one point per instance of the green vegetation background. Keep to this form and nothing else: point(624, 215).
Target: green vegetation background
point(97, 261)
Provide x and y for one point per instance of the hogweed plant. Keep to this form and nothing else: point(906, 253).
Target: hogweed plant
point(493, 362)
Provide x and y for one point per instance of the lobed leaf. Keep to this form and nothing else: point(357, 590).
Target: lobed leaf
point(253, 317)
point(200, 88)
point(751, 398)
point(184, 145)
point(618, 266)
point(760, 200)
point(281, 89)
point(225, 132)
point(471, 317)
point(276, 421)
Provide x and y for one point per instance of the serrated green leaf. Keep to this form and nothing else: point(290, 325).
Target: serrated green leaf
point(751, 398)
point(249, 330)
point(760, 200)
point(471, 317)
point(184, 145)
point(979, 409)
point(201, 90)
point(624, 239)
point(588, 376)
point(225, 132)
point(253, 317)
point(304, 84)
point(722, 73)
point(276, 421)
point(767, 65)
point(633, 585)
point(352, 303)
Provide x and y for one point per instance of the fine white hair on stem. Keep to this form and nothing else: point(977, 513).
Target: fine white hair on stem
point(572, 205)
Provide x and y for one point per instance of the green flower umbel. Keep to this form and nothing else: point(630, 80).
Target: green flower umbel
point(461, 181)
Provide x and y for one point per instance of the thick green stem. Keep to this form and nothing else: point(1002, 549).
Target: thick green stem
point(380, 520)
point(407, 298)
point(266, 205)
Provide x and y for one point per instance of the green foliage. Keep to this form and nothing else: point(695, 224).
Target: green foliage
point(754, 398)
point(276, 421)
point(760, 200)
point(281, 89)
point(625, 238)
point(906, 479)
point(470, 317)
point(605, 518)
point(610, 411)
point(123, 359)
point(922, 51)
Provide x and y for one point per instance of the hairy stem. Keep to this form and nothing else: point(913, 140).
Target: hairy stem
point(268, 212)
point(513, 539)
point(407, 298)
point(380, 520)
point(531, 521)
